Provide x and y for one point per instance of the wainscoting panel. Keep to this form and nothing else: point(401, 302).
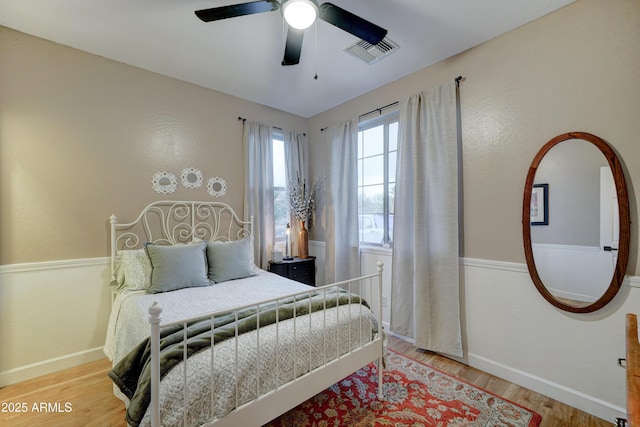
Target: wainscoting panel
point(590, 268)
point(369, 258)
point(513, 333)
point(53, 315)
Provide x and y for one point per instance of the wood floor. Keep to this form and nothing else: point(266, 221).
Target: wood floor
point(82, 396)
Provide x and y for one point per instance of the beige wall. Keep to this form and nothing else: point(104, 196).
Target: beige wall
point(81, 137)
point(573, 70)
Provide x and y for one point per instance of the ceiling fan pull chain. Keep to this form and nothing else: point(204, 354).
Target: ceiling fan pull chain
point(315, 48)
point(284, 32)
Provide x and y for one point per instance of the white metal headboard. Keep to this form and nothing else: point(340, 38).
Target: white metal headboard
point(169, 222)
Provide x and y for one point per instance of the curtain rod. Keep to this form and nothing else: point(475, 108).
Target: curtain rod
point(379, 110)
point(275, 127)
point(393, 104)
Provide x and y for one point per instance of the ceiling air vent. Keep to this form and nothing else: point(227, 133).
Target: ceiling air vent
point(371, 53)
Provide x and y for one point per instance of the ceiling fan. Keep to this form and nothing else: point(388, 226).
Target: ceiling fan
point(299, 15)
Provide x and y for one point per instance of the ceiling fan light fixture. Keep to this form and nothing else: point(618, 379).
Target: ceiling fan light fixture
point(300, 14)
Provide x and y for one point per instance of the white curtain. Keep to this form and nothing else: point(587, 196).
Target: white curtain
point(425, 292)
point(296, 159)
point(341, 251)
point(258, 188)
point(296, 155)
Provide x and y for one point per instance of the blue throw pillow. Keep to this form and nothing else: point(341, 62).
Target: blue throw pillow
point(177, 267)
point(230, 260)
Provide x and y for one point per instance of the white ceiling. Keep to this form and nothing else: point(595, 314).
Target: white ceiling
point(241, 56)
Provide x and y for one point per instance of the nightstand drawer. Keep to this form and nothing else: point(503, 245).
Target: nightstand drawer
point(301, 273)
point(299, 269)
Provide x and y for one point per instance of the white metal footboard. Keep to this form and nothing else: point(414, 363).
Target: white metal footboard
point(323, 365)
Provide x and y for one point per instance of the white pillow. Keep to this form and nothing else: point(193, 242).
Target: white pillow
point(133, 270)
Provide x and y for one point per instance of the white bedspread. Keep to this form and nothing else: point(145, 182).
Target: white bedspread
point(332, 333)
point(129, 319)
point(317, 339)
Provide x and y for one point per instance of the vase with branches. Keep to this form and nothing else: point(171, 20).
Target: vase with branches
point(303, 201)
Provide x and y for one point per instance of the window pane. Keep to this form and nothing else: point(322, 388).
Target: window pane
point(373, 170)
point(373, 141)
point(372, 216)
point(279, 175)
point(280, 205)
point(393, 136)
point(373, 199)
point(281, 212)
point(377, 158)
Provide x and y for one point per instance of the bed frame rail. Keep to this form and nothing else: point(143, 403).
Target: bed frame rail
point(267, 405)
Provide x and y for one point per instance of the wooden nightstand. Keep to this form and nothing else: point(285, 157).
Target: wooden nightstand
point(299, 269)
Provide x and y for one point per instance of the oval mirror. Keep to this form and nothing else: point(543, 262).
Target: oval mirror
point(575, 222)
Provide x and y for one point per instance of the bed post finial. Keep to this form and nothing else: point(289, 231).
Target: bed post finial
point(154, 313)
point(380, 265)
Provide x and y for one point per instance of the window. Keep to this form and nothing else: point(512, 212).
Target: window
point(377, 152)
point(280, 204)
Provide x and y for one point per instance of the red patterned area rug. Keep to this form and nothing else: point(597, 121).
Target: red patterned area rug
point(414, 395)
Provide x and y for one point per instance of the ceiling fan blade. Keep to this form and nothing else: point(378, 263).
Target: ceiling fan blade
point(231, 11)
point(351, 23)
point(293, 47)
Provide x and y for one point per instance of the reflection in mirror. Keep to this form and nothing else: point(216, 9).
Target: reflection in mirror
point(568, 249)
point(576, 222)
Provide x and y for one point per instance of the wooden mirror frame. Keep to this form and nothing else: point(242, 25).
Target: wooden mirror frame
point(623, 212)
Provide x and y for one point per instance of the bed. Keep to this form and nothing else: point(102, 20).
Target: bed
point(198, 335)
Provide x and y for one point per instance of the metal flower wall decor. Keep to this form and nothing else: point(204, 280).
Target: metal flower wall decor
point(217, 187)
point(165, 182)
point(191, 177)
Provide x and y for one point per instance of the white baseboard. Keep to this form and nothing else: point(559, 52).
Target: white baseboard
point(581, 401)
point(45, 367)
